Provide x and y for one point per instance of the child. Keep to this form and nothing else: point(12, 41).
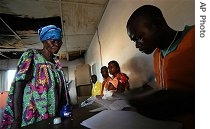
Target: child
point(97, 87)
point(120, 80)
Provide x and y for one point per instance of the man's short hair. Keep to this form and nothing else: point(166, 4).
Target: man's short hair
point(149, 12)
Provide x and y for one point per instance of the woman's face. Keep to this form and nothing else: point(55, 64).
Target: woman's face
point(113, 69)
point(52, 45)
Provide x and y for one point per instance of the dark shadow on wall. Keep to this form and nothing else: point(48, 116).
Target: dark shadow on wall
point(140, 70)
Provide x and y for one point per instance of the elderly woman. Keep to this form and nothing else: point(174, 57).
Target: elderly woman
point(38, 86)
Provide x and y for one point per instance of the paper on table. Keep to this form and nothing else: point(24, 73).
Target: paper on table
point(87, 102)
point(113, 104)
point(104, 103)
point(98, 109)
point(110, 105)
point(110, 119)
point(118, 105)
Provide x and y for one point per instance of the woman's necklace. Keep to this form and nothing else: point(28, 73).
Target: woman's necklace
point(172, 41)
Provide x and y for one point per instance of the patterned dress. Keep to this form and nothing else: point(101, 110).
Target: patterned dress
point(45, 82)
point(121, 78)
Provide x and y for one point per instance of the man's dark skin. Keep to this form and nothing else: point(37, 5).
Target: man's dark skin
point(149, 31)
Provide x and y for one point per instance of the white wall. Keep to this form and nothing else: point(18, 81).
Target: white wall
point(116, 45)
point(71, 69)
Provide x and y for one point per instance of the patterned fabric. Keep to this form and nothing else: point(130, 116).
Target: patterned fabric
point(122, 78)
point(105, 83)
point(41, 92)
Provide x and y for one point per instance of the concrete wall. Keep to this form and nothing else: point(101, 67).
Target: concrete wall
point(116, 45)
point(71, 70)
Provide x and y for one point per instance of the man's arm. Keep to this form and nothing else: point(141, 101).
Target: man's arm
point(164, 104)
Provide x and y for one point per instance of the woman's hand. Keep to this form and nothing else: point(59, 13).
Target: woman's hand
point(111, 86)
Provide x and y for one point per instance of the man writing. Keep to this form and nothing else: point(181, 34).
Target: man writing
point(174, 64)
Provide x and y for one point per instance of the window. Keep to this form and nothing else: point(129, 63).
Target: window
point(10, 77)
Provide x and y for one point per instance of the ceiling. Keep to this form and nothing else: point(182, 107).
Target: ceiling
point(20, 20)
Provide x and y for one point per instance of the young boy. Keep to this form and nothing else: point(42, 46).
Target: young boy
point(97, 87)
point(106, 77)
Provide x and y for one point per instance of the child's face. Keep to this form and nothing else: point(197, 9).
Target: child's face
point(93, 80)
point(113, 69)
point(105, 73)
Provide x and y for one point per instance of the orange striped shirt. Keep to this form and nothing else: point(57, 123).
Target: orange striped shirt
point(177, 69)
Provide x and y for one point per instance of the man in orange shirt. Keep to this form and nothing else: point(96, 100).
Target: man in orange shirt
point(106, 77)
point(174, 63)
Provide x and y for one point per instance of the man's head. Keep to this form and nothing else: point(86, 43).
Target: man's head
point(146, 27)
point(51, 36)
point(104, 72)
point(93, 79)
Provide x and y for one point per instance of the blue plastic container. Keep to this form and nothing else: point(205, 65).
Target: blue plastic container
point(66, 111)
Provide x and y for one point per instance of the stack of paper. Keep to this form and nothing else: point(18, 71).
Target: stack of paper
point(117, 104)
point(110, 119)
point(111, 105)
